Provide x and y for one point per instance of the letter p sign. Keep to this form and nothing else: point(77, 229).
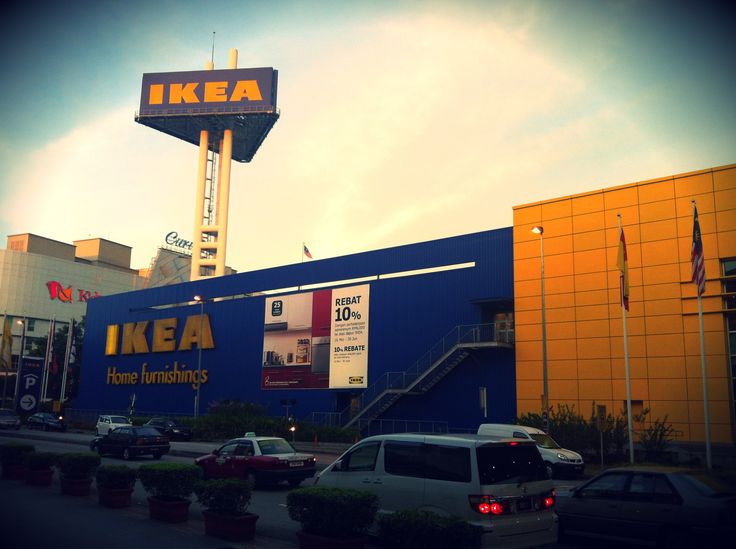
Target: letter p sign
point(30, 380)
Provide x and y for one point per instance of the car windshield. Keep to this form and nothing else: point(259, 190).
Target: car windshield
point(275, 446)
point(510, 464)
point(118, 419)
point(708, 485)
point(544, 440)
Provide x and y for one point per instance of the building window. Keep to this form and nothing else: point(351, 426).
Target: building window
point(31, 324)
point(729, 305)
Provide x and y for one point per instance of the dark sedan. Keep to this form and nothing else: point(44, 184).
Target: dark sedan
point(46, 421)
point(129, 442)
point(171, 428)
point(667, 507)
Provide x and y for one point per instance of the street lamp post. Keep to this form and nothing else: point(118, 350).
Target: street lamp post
point(538, 229)
point(199, 299)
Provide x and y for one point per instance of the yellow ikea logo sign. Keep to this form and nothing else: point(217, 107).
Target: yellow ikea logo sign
point(136, 339)
point(176, 93)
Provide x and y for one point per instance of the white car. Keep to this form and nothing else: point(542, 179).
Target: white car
point(105, 424)
point(500, 486)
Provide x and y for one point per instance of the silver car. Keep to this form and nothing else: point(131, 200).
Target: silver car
point(9, 419)
point(666, 507)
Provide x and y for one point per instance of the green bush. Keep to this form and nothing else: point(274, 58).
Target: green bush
point(332, 512)
point(13, 453)
point(40, 461)
point(116, 477)
point(656, 438)
point(78, 465)
point(426, 530)
point(229, 496)
point(169, 480)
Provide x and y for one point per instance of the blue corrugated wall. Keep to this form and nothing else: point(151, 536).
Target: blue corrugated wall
point(407, 316)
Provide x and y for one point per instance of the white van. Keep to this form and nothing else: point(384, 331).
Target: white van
point(501, 486)
point(559, 461)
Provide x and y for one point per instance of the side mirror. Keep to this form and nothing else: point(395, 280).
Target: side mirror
point(339, 465)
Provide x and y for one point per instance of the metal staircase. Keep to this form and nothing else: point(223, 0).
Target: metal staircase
point(424, 374)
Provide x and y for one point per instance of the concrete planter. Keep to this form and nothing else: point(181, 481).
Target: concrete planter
point(230, 527)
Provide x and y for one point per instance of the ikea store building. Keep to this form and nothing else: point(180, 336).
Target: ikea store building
point(448, 334)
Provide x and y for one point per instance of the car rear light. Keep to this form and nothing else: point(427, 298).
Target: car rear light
point(486, 504)
point(549, 499)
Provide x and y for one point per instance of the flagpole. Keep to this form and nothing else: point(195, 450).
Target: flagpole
point(47, 358)
point(20, 362)
point(703, 367)
point(2, 354)
point(69, 343)
point(629, 419)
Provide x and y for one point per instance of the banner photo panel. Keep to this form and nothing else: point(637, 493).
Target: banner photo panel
point(299, 335)
point(349, 331)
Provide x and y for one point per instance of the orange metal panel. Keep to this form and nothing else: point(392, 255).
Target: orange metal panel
point(589, 240)
point(524, 250)
point(637, 346)
point(661, 291)
point(694, 184)
point(726, 220)
point(717, 388)
point(727, 242)
point(588, 222)
point(556, 301)
point(684, 206)
point(530, 390)
point(674, 411)
point(529, 370)
point(562, 369)
point(530, 350)
point(654, 192)
point(660, 274)
point(594, 328)
point(523, 233)
point(664, 324)
point(558, 285)
point(590, 261)
point(629, 218)
point(715, 343)
point(587, 204)
point(724, 179)
point(639, 391)
point(527, 317)
point(561, 349)
point(591, 312)
point(594, 368)
point(556, 245)
point(527, 215)
point(595, 389)
point(591, 281)
point(557, 209)
point(527, 332)
point(657, 211)
point(530, 303)
point(620, 198)
point(685, 223)
point(527, 269)
point(556, 227)
point(637, 368)
point(562, 390)
point(711, 323)
point(635, 325)
point(561, 330)
point(668, 389)
point(595, 297)
point(527, 287)
point(665, 345)
point(558, 265)
point(725, 200)
point(658, 230)
point(664, 307)
point(673, 366)
point(597, 347)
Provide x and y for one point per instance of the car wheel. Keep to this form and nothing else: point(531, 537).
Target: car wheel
point(250, 478)
point(127, 456)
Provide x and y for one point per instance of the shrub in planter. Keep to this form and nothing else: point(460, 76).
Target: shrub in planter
point(39, 465)
point(327, 513)
point(115, 485)
point(169, 486)
point(426, 530)
point(77, 470)
point(12, 458)
point(227, 502)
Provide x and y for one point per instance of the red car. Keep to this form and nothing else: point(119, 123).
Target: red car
point(260, 460)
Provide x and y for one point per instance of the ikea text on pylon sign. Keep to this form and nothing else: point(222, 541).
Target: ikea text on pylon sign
point(159, 336)
point(208, 92)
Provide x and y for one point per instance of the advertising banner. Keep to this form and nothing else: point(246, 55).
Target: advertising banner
point(316, 340)
point(208, 92)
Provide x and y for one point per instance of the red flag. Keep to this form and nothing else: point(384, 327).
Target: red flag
point(696, 255)
point(623, 265)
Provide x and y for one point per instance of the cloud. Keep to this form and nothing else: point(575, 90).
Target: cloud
point(416, 127)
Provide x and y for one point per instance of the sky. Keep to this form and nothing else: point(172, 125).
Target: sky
point(401, 121)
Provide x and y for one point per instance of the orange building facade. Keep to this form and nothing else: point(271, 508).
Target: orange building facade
point(585, 343)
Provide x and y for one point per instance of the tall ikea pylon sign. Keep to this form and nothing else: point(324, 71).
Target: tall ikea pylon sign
point(227, 113)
